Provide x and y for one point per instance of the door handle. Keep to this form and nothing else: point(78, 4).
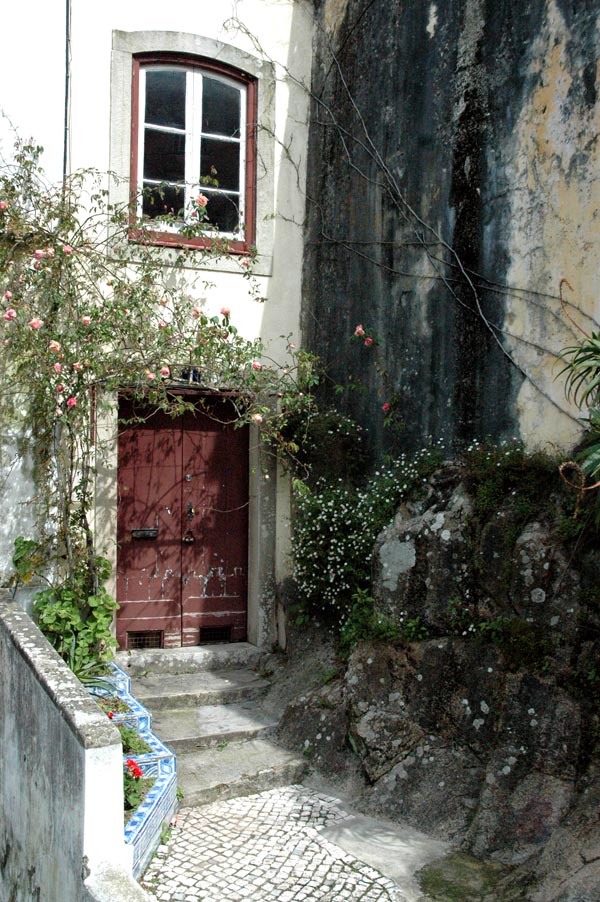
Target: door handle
point(190, 511)
point(188, 538)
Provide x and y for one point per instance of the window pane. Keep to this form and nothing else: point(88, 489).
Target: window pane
point(165, 97)
point(220, 108)
point(164, 156)
point(224, 157)
point(223, 211)
point(162, 200)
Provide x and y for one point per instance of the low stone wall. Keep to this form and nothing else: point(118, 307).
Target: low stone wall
point(61, 784)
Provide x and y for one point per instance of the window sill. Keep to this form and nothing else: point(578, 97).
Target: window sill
point(176, 240)
point(199, 257)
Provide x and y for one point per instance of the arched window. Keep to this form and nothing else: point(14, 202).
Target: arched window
point(194, 132)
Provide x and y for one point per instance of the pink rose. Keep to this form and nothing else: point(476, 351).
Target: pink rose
point(292, 346)
point(39, 254)
point(359, 331)
point(385, 407)
point(150, 376)
point(3, 205)
point(71, 402)
point(257, 417)
point(225, 311)
point(5, 341)
point(78, 367)
point(368, 342)
point(256, 365)
point(60, 388)
point(201, 200)
point(196, 312)
point(165, 371)
point(8, 295)
point(162, 324)
point(58, 412)
point(10, 314)
point(245, 262)
point(53, 346)
point(36, 323)
point(67, 249)
point(57, 367)
point(86, 320)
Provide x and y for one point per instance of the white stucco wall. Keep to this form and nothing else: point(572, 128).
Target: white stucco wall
point(32, 74)
point(276, 35)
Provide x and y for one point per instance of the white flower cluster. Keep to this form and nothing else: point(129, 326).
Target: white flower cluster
point(335, 528)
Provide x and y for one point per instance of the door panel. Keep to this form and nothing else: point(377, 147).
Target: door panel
point(215, 505)
point(182, 527)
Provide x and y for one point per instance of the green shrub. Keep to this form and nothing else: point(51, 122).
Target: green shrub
point(495, 473)
point(77, 620)
point(363, 624)
point(133, 744)
point(328, 446)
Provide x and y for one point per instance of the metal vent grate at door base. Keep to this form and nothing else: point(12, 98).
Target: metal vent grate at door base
point(148, 639)
point(214, 634)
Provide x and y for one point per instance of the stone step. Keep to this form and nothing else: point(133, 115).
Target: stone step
point(169, 691)
point(192, 659)
point(237, 769)
point(212, 726)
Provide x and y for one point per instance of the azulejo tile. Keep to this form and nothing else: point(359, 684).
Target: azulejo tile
point(144, 829)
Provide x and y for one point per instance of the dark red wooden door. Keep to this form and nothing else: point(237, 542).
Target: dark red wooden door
point(182, 528)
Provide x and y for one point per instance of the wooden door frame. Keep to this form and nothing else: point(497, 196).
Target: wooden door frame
point(268, 522)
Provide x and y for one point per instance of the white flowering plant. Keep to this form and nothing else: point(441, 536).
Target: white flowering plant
point(336, 526)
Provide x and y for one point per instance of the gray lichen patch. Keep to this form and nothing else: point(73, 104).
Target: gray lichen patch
point(396, 558)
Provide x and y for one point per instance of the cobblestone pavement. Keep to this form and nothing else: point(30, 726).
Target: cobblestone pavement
point(262, 848)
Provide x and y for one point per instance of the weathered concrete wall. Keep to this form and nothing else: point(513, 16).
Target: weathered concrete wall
point(453, 184)
point(61, 780)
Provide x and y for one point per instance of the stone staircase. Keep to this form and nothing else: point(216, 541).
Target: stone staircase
point(207, 706)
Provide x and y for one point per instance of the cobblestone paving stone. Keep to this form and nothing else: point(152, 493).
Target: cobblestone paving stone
point(263, 848)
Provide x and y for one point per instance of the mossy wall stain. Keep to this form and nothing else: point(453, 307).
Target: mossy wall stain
point(452, 157)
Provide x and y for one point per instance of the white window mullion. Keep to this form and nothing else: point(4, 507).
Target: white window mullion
point(190, 139)
point(141, 137)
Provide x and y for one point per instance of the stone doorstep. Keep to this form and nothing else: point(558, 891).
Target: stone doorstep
point(238, 769)
point(191, 659)
point(163, 691)
point(191, 729)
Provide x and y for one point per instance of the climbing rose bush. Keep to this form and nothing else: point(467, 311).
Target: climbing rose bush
point(88, 313)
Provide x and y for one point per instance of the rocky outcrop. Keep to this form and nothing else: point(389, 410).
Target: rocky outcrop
point(486, 731)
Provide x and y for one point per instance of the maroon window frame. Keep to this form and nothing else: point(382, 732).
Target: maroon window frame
point(209, 65)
